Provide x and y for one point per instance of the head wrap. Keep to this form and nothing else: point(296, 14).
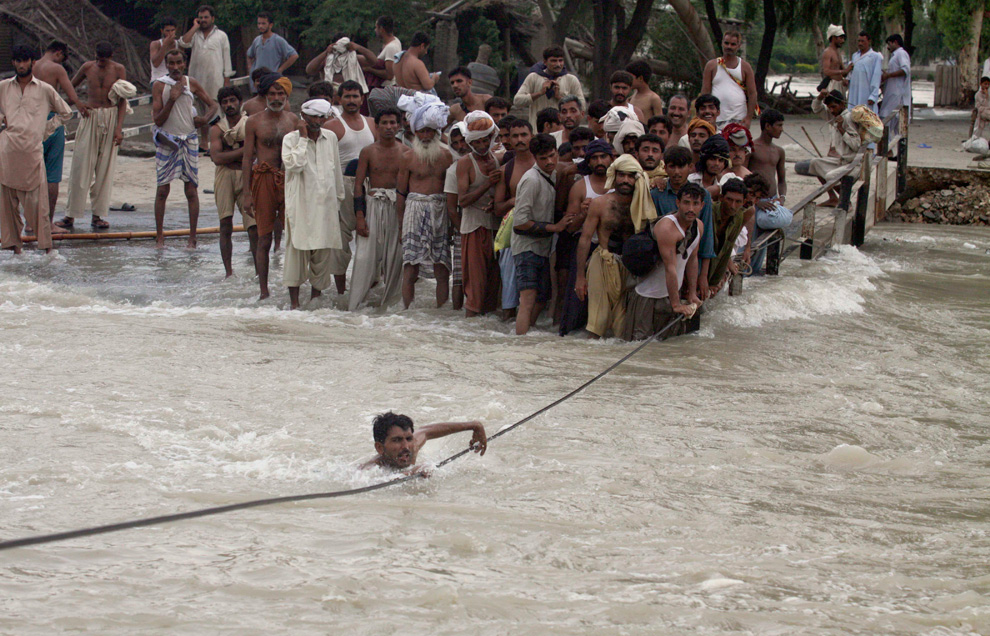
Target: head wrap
point(613, 119)
point(641, 209)
point(738, 135)
point(460, 127)
point(409, 103)
point(598, 146)
point(834, 30)
point(432, 115)
point(714, 146)
point(479, 125)
point(267, 81)
point(707, 125)
point(629, 127)
point(317, 108)
point(388, 97)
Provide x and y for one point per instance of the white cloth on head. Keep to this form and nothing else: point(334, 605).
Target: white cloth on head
point(122, 89)
point(478, 115)
point(343, 61)
point(409, 103)
point(629, 127)
point(317, 108)
point(834, 30)
point(433, 115)
point(314, 188)
point(613, 119)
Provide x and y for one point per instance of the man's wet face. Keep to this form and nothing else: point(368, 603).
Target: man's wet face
point(649, 155)
point(275, 98)
point(519, 137)
point(397, 449)
point(230, 105)
point(599, 163)
point(388, 127)
point(460, 85)
point(570, 115)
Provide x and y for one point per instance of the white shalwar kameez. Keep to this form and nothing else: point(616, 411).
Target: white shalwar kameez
point(314, 189)
point(897, 90)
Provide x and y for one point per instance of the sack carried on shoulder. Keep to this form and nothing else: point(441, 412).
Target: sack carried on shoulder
point(870, 124)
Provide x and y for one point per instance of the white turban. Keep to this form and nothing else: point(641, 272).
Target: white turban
point(629, 127)
point(613, 119)
point(460, 127)
point(834, 30)
point(432, 115)
point(317, 108)
point(409, 103)
point(479, 125)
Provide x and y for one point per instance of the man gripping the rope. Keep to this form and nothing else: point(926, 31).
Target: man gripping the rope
point(398, 443)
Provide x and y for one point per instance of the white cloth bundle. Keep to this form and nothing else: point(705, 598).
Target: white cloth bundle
point(613, 119)
point(122, 89)
point(629, 127)
point(345, 62)
point(409, 103)
point(432, 115)
point(317, 108)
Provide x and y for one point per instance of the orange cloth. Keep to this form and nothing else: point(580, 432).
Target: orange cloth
point(286, 85)
point(268, 192)
point(480, 273)
point(698, 122)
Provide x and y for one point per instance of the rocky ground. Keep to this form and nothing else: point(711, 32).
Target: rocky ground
point(953, 205)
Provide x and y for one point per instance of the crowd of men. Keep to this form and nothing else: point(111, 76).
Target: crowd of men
point(377, 176)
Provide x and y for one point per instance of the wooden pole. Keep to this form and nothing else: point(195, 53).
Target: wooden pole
point(100, 236)
point(812, 141)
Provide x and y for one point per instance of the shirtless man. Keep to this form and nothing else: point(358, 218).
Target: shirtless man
point(832, 67)
point(621, 84)
point(678, 113)
point(410, 71)
point(460, 84)
point(644, 99)
point(610, 217)
point(398, 444)
point(768, 159)
point(159, 48)
point(49, 69)
point(422, 205)
point(520, 133)
point(257, 103)
point(98, 136)
point(227, 153)
point(354, 132)
point(261, 166)
point(378, 244)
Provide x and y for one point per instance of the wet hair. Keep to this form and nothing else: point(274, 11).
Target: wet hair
point(497, 102)
point(598, 108)
point(704, 100)
point(419, 38)
point(167, 21)
point(104, 50)
point(21, 52)
point(770, 117)
point(691, 190)
point(640, 68)
point(568, 99)
point(541, 144)
point(896, 37)
point(756, 183)
point(229, 91)
point(552, 51)
point(506, 122)
point(388, 110)
point(621, 77)
point(582, 133)
point(267, 16)
point(735, 185)
point(678, 156)
point(549, 115)
point(648, 138)
point(58, 47)
point(520, 123)
point(349, 86)
point(208, 9)
point(460, 70)
point(383, 423)
point(386, 24)
point(260, 72)
point(663, 120)
point(318, 89)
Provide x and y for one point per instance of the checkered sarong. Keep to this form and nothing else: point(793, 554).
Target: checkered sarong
point(426, 230)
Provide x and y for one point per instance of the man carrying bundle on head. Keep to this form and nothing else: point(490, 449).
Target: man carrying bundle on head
point(314, 189)
point(176, 141)
point(261, 168)
point(477, 176)
point(422, 203)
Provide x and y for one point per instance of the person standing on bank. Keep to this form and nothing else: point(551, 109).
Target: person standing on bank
point(158, 49)
point(896, 83)
point(731, 79)
point(269, 49)
point(865, 71)
point(209, 62)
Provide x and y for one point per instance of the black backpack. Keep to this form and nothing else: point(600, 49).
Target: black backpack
point(640, 253)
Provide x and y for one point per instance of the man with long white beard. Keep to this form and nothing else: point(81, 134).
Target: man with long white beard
point(314, 190)
point(421, 203)
point(477, 175)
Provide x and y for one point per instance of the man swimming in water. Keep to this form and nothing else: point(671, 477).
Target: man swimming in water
point(398, 444)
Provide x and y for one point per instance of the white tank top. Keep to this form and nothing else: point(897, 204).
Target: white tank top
point(654, 284)
point(589, 192)
point(180, 119)
point(160, 70)
point(354, 141)
point(729, 93)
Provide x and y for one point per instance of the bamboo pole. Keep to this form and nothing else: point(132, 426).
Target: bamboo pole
point(98, 236)
point(811, 140)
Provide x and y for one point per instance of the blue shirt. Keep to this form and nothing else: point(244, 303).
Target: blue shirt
point(270, 54)
point(864, 81)
point(666, 203)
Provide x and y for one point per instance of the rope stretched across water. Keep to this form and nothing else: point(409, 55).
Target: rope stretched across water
point(206, 512)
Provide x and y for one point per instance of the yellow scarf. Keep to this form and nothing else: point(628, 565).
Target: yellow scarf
point(641, 209)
